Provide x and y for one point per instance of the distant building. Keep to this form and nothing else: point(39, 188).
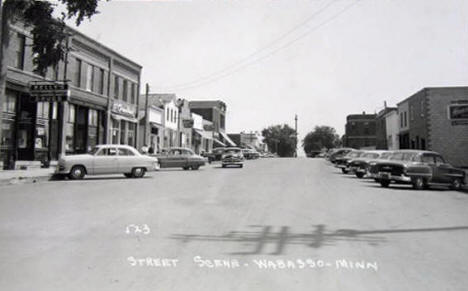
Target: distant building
point(381, 134)
point(436, 119)
point(391, 126)
point(214, 111)
point(360, 131)
point(252, 140)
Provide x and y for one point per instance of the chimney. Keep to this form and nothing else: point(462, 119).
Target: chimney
point(363, 113)
point(385, 104)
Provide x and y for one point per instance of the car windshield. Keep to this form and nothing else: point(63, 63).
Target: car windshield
point(404, 156)
point(385, 156)
point(370, 155)
point(232, 151)
point(354, 154)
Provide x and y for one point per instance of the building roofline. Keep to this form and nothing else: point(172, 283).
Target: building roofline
point(431, 88)
point(103, 46)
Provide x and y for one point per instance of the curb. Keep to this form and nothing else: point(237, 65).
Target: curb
point(25, 180)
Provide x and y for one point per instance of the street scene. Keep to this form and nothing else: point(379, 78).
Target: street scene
point(233, 145)
point(233, 229)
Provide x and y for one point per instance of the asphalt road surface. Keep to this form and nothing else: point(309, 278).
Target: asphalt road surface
point(276, 224)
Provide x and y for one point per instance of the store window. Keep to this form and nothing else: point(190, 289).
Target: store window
point(9, 104)
point(70, 129)
point(122, 131)
point(131, 134)
point(43, 110)
point(92, 128)
point(115, 131)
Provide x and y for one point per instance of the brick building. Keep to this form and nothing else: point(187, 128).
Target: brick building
point(436, 119)
point(214, 111)
point(381, 134)
point(101, 107)
point(360, 131)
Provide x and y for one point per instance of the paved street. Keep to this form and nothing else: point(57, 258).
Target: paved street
point(277, 224)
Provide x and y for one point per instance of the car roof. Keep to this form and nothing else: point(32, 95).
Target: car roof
point(178, 148)
point(232, 148)
point(416, 151)
point(114, 145)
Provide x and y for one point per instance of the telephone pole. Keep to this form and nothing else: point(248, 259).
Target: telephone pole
point(295, 140)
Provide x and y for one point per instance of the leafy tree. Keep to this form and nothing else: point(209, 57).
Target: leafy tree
point(321, 137)
point(281, 139)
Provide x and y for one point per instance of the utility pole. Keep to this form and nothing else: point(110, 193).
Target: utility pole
point(295, 134)
point(145, 137)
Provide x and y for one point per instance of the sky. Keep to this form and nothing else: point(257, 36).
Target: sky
point(271, 59)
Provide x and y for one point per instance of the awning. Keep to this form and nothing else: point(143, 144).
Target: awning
point(226, 138)
point(156, 125)
point(121, 117)
point(218, 142)
point(203, 133)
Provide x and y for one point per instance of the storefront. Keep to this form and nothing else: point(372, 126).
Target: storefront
point(156, 134)
point(123, 123)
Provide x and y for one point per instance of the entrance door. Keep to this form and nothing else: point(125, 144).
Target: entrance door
point(26, 124)
point(81, 130)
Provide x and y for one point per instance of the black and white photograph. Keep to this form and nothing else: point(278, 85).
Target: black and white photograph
point(233, 145)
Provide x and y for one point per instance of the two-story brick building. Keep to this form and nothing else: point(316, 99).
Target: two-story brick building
point(436, 119)
point(360, 131)
point(101, 107)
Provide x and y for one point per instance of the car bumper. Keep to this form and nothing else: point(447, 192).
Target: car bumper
point(389, 176)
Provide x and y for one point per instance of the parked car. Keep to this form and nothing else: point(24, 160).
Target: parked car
point(343, 162)
point(217, 153)
point(232, 156)
point(250, 154)
point(178, 157)
point(210, 157)
point(338, 153)
point(107, 159)
point(421, 169)
point(360, 166)
point(313, 154)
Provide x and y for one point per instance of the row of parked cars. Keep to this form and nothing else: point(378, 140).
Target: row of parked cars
point(419, 168)
point(126, 160)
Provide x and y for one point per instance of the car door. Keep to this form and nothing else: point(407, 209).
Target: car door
point(177, 158)
point(105, 161)
point(442, 170)
point(126, 160)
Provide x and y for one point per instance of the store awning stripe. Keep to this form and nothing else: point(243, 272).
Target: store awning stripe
point(121, 117)
point(226, 137)
point(203, 134)
point(218, 142)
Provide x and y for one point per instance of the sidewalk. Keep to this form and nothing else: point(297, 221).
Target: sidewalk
point(9, 177)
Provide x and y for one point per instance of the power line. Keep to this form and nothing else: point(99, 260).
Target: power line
point(247, 64)
point(267, 46)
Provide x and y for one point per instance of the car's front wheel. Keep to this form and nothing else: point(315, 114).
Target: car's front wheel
point(77, 173)
point(384, 183)
point(344, 171)
point(195, 167)
point(241, 165)
point(138, 172)
point(359, 175)
point(456, 184)
point(128, 175)
point(418, 183)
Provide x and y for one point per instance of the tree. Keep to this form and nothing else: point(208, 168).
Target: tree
point(321, 137)
point(281, 139)
point(48, 32)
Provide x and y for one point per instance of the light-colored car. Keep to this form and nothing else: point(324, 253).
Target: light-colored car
point(107, 159)
point(232, 156)
point(183, 158)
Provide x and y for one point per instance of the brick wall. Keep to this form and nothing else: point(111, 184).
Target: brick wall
point(449, 140)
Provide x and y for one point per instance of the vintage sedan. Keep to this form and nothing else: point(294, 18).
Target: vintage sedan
point(360, 166)
point(343, 162)
point(107, 159)
point(233, 156)
point(178, 157)
point(421, 169)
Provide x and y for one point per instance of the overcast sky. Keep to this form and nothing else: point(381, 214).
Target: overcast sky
point(270, 60)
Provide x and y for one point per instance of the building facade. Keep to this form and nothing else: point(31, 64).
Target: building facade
point(381, 134)
point(202, 140)
point(360, 131)
point(215, 112)
point(436, 119)
point(100, 108)
point(391, 129)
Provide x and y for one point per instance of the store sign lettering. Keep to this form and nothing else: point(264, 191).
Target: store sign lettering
point(123, 108)
point(49, 92)
point(188, 123)
point(458, 112)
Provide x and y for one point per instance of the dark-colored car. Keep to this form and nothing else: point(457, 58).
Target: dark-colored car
point(183, 158)
point(232, 156)
point(217, 153)
point(419, 168)
point(250, 154)
point(360, 166)
point(343, 162)
point(338, 153)
point(313, 154)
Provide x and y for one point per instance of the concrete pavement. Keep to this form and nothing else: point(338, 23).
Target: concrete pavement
point(277, 224)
